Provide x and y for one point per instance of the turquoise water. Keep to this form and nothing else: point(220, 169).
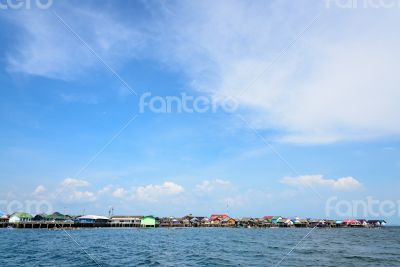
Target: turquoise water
point(200, 247)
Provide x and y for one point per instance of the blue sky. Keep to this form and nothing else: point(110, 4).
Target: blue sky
point(316, 88)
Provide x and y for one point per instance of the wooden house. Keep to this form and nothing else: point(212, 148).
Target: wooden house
point(246, 222)
point(352, 223)
point(316, 222)
point(301, 223)
point(196, 221)
point(148, 221)
point(263, 222)
point(228, 222)
point(205, 222)
point(376, 223)
point(273, 219)
point(121, 221)
point(330, 223)
point(92, 219)
point(3, 217)
point(285, 222)
point(216, 219)
point(363, 222)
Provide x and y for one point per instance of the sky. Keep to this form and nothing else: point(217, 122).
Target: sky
point(306, 118)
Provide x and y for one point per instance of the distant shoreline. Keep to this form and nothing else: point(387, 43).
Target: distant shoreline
point(73, 225)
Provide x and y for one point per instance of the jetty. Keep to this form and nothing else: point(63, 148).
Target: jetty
point(20, 220)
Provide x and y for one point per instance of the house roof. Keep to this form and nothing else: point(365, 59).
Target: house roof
point(351, 221)
point(376, 221)
point(218, 216)
point(330, 221)
point(226, 219)
point(268, 217)
point(92, 217)
point(126, 217)
point(22, 215)
point(246, 219)
point(148, 216)
point(315, 220)
point(198, 218)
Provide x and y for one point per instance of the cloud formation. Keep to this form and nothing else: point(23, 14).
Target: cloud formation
point(48, 48)
point(341, 184)
point(332, 85)
point(72, 183)
point(152, 193)
point(207, 186)
point(80, 196)
point(40, 189)
point(119, 192)
point(70, 191)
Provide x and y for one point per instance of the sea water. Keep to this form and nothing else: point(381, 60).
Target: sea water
point(200, 247)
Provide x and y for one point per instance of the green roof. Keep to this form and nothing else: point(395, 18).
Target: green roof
point(45, 216)
point(22, 215)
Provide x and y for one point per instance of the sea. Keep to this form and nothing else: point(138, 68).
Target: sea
point(200, 247)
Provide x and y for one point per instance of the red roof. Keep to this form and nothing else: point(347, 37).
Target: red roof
point(350, 221)
point(218, 216)
point(268, 217)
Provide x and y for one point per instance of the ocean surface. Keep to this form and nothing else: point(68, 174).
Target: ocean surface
point(200, 247)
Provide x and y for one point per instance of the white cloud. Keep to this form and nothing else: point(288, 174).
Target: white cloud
point(341, 184)
point(152, 193)
point(106, 189)
point(80, 196)
point(68, 191)
point(119, 192)
point(332, 85)
point(71, 183)
point(47, 48)
point(208, 186)
point(40, 189)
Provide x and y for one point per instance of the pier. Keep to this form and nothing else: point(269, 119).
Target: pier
point(53, 225)
point(77, 225)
